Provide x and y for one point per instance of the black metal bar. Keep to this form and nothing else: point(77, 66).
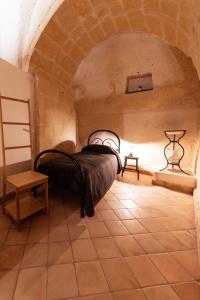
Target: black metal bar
point(77, 165)
point(90, 140)
point(174, 141)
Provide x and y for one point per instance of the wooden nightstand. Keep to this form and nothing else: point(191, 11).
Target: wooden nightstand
point(131, 167)
point(26, 204)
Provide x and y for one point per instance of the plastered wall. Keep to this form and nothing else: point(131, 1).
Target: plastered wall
point(140, 118)
point(17, 84)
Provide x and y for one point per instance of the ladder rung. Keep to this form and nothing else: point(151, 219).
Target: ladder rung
point(17, 147)
point(14, 99)
point(15, 123)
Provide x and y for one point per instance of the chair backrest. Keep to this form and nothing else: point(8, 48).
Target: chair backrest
point(5, 123)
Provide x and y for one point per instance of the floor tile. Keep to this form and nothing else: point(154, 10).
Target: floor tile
point(61, 282)
point(161, 293)
point(74, 219)
point(60, 253)
point(186, 238)
point(118, 274)
point(128, 246)
point(97, 229)
point(97, 297)
point(156, 224)
point(83, 250)
point(122, 196)
point(145, 271)
point(170, 268)
point(10, 257)
point(124, 214)
point(134, 226)
point(116, 204)
point(40, 220)
point(139, 212)
point(38, 235)
point(129, 203)
point(106, 247)
point(35, 255)
point(102, 205)
point(3, 235)
point(149, 243)
point(96, 218)
point(31, 284)
point(78, 231)
point(169, 241)
point(8, 281)
point(189, 260)
point(187, 291)
point(5, 222)
point(58, 233)
point(116, 228)
point(17, 237)
point(90, 278)
point(129, 295)
point(108, 215)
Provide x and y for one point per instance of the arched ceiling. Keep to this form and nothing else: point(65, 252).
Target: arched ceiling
point(78, 26)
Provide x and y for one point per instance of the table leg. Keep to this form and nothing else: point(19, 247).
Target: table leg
point(46, 198)
point(18, 211)
point(137, 168)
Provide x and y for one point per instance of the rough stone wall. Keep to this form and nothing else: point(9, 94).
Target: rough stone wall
point(55, 115)
point(79, 25)
point(139, 118)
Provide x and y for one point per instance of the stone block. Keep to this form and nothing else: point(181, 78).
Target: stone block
point(169, 8)
point(46, 46)
point(154, 25)
point(136, 20)
point(96, 35)
point(54, 31)
point(108, 26)
point(183, 42)
point(151, 7)
point(169, 28)
point(82, 7)
point(41, 61)
point(136, 4)
point(122, 23)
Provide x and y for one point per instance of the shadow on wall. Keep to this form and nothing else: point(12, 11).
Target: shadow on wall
point(67, 146)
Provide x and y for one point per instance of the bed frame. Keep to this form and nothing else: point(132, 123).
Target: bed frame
point(100, 137)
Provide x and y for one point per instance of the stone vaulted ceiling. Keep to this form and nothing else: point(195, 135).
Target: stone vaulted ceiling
point(79, 25)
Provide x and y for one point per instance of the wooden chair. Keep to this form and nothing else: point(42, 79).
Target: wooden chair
point(24, 205)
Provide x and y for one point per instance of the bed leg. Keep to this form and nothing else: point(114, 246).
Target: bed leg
point(82, 210)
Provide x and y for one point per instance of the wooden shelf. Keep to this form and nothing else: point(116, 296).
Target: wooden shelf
point(26, 179)
point(28, 206)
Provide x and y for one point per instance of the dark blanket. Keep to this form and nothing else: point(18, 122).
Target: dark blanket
point(100, 165)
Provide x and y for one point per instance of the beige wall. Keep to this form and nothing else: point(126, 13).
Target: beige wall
point(17, 84)
point(140, 118)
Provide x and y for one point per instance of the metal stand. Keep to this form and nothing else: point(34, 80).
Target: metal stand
point(174, 137)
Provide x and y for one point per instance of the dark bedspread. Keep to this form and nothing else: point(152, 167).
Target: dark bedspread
point(99, 169)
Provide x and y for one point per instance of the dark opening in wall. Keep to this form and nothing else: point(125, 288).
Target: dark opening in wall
point(139, 83)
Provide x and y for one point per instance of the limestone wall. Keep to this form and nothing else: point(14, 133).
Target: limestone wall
point(139, 118)
point(55, 115)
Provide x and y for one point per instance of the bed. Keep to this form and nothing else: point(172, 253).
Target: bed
point(89, 172)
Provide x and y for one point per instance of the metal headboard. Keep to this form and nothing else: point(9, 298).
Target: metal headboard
point(105, 137)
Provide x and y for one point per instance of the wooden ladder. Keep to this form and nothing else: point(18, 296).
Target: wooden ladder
point(21, 207)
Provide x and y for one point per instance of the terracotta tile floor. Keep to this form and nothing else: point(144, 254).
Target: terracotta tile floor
point(141, 244)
